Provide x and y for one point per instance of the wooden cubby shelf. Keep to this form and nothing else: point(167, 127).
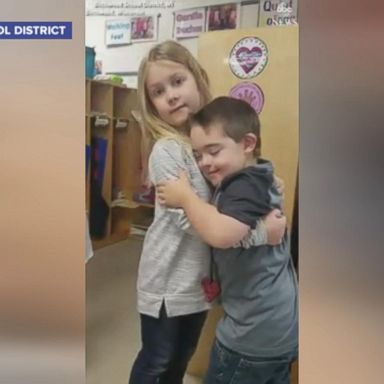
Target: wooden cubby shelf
point(130, 204)
point(110, 124)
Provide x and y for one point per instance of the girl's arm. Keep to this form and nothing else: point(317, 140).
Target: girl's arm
point(269, 231)
point(165, 163)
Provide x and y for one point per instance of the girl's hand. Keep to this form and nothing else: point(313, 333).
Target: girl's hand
point(275, 224)
point(172, 193)
point(279, 184)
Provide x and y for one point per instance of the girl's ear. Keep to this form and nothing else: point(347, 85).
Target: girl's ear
point(249, 141)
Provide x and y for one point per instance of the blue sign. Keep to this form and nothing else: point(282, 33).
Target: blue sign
point(20, 30)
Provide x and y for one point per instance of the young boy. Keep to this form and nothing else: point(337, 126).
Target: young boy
point(257, 339)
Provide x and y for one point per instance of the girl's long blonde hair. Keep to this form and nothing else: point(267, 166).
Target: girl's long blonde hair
point(172, 51)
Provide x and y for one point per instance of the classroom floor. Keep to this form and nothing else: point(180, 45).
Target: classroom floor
point(112, 327)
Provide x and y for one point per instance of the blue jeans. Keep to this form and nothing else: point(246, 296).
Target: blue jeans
point(229, 367)
point(168, 344)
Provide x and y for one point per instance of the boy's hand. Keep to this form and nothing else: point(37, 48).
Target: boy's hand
point(173, 193)
point(275, 224)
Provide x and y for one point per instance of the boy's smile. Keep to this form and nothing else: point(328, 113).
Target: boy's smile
point(217, 155)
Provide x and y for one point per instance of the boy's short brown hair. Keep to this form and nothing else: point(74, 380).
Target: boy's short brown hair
point(236, 117)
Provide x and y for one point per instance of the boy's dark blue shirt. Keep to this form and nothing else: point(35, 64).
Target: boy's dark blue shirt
point(259, 286)
point(249, 193)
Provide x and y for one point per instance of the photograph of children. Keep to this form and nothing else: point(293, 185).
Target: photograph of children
point(223, 17)
point(143, 28)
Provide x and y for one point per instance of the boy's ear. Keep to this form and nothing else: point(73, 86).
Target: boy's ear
point(250, 141)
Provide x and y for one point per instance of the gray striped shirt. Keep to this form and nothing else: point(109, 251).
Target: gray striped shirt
point(174, 260)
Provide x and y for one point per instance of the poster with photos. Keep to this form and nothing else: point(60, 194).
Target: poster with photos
point(143, 28)
point(224, 16)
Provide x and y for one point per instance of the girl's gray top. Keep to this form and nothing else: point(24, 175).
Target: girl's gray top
point(174, 260)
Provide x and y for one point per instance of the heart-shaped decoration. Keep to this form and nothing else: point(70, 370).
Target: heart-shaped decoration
point(211, 288)
point(248, 58)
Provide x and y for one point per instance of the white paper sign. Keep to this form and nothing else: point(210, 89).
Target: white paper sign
point(189, 23)
point(117, 32)
point(277, 12)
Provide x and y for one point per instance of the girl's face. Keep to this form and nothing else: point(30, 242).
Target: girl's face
point(173, 91)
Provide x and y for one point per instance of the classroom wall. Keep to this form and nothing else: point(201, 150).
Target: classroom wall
point(127, 58)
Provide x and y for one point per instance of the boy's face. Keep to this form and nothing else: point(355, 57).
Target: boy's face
point(217, 155)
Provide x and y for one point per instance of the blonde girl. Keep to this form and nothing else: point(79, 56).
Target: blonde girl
point(174, 260)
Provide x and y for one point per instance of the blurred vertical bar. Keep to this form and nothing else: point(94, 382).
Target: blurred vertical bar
point(42, 209)
point(341, 192)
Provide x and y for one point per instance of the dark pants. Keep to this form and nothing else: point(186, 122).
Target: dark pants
point(229, 367)
point(168, 344)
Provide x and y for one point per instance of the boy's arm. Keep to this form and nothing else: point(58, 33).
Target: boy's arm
point(224, 230)
point(216, 229)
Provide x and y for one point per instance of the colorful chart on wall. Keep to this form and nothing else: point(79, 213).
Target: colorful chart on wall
point(249, 92)
point(248, 57)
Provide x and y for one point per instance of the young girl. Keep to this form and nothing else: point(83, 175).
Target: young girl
point(174, 260)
